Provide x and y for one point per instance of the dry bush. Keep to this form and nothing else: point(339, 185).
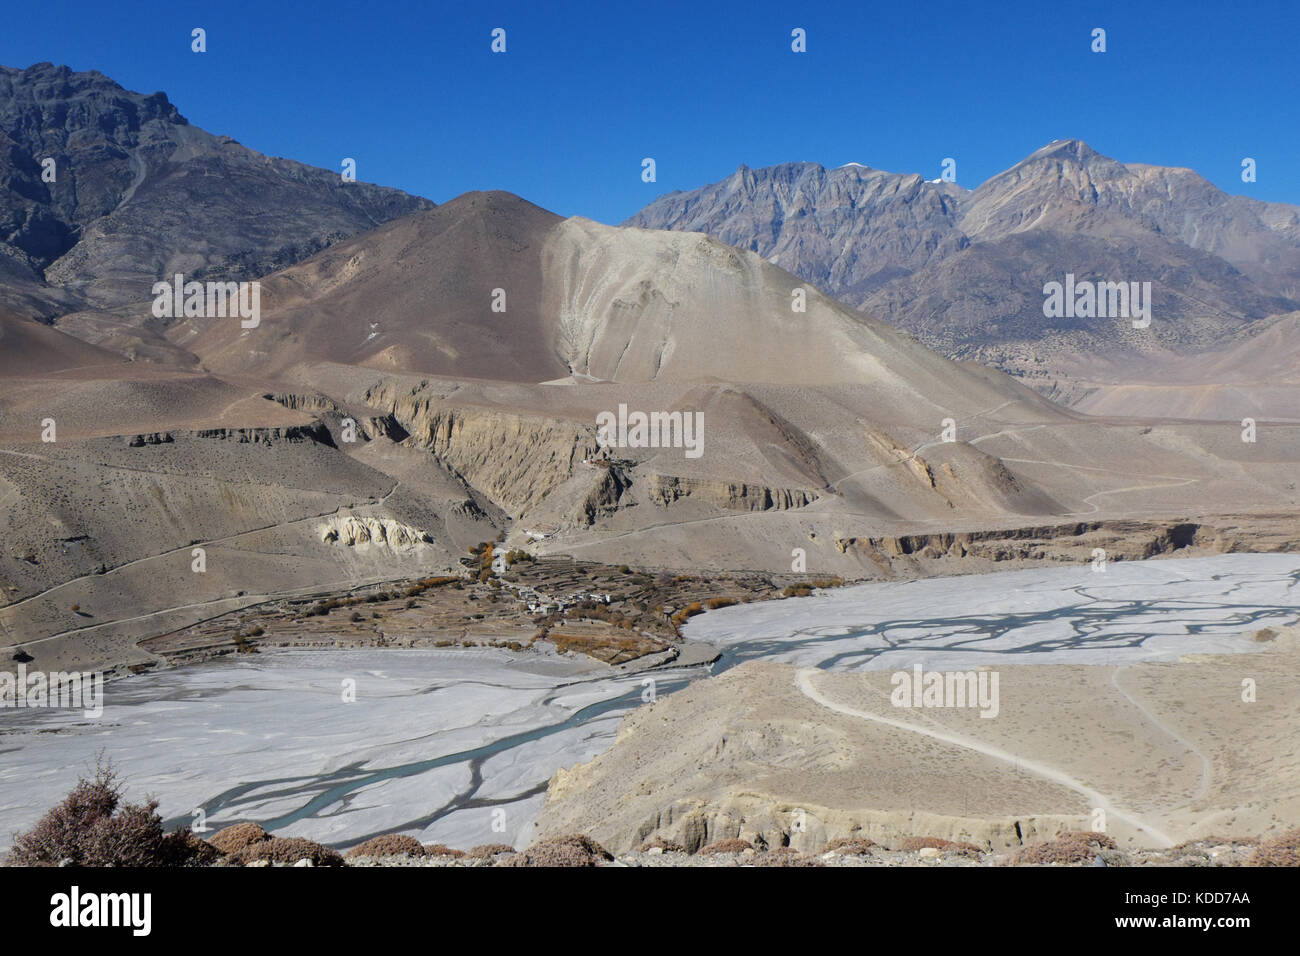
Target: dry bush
point(785, 856)
point(92, 827)
point(717, 602)
point(659, 843)
point(572, 850)
point(1213, 841)
point(733, 845)
point(183, 847)
point(1088, 836)
point(1281, 850)
point(692, 609)
point(390, 844)
point(441, 849)
point(288, 850)
point(912, 844)
point(485, 850)
point(234, 838)
point(1060, 850)
point(850, 846)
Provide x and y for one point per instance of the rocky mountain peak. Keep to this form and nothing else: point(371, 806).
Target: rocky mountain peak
point(125, 164)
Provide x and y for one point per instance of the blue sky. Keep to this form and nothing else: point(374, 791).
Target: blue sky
point(585, 91)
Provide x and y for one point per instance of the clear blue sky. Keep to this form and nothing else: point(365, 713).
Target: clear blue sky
point(585, 91)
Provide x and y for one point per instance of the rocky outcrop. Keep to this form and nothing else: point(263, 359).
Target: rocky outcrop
point(607, 496)
point(152, 438)
point(266, 435)
point(314, 432)
point(733, 496)
point(352, 531)
point(516, 460)
point(1122, 540)
point(369, 425)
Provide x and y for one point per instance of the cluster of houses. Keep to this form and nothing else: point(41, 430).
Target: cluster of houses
point(541, 604)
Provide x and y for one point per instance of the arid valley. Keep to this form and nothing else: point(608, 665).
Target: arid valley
point(787, 522)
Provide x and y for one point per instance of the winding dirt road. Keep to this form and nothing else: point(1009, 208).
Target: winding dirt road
point(804, 681)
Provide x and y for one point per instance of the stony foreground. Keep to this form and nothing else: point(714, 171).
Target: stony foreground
point(1070, 848)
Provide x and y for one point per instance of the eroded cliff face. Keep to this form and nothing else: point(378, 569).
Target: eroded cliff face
point(526, 463)
point(516, 460)
point(352, 531)
point(731, 496)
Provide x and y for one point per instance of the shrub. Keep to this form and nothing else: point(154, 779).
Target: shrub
point(912, 844)
point(440, 849)
point(234, 838)
point(1055, 851)
point(687, 612)
point(390, 844)
point(785, 856)
point(485, 850)
point(183, 847)
point(355, 616)
point(92, 827)
point(572, 850)
point(1214, 841)
point(1088, 836)
point(1072, 846)
point(659, 843)
point(726, 846)
point(1281, 850)
point(288, 850)
point(717, 602)
point(850, 846)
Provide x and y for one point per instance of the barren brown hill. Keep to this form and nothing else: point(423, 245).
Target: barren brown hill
point(580, 299)
point(1254, 375)
point(27, 347)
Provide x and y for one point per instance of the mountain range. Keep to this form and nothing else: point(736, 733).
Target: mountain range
point(965, 270)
